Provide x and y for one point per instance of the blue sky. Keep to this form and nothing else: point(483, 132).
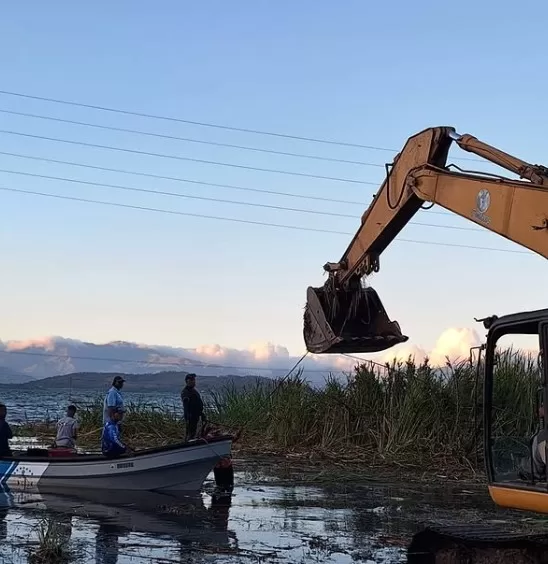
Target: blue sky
point(363, 72)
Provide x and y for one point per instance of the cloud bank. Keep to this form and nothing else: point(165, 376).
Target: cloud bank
point(48, 356)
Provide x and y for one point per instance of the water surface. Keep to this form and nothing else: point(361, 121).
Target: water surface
point(277, 513)
point(268, 519)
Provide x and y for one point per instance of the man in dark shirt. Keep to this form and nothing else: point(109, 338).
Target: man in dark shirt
point(5, 433)
point(193, 406)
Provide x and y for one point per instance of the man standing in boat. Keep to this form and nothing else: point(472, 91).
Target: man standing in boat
point(193, 406)
point(5, 433)
point(113, 400)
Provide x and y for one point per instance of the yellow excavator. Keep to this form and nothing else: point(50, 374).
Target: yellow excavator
point(346, 315)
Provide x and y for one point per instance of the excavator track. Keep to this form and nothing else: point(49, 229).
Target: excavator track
point(477, 544)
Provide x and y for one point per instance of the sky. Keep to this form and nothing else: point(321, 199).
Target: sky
point(368, 73)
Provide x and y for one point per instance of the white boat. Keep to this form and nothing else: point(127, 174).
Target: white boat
point(181, 467)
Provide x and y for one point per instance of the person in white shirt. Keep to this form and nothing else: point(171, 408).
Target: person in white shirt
point(67, 429)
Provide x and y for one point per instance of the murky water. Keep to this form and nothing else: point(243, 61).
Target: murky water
point(268, 519)
point(277, 514)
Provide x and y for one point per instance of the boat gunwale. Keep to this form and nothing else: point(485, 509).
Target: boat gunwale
point(85, 458)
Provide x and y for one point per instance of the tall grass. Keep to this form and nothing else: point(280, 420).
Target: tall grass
point(145, 425)
point(405, 413)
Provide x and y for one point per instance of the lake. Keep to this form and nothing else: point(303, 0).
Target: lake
point(269, 520)
point(36, 405)
point(278, 514)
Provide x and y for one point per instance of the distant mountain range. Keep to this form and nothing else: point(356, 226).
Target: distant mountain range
point(9, 376)
point(159, 382)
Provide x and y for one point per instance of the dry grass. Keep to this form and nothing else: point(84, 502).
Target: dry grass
point(145, 425)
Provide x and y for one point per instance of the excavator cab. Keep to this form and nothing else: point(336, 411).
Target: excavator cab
point(514, 480)
point(347, 321)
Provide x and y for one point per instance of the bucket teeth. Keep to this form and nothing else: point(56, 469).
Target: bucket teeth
point(348, 322)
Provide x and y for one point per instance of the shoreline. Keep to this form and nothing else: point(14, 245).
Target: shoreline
point(302, 464)
point(300, 468)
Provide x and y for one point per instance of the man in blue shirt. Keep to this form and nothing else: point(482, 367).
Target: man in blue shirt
point(111, 443)
point(113, 399)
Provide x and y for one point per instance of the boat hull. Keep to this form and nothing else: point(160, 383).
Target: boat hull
point(178, 468)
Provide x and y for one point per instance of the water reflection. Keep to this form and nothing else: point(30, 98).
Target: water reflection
point(107, 543)
point(263, 521)
point(127, 522)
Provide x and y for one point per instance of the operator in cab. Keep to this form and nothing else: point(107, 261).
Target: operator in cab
point(111, 442)
point(537, 459)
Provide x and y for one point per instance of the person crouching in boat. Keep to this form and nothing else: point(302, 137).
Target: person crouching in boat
point(111, 442)
point(5, 433)
point(67, 430)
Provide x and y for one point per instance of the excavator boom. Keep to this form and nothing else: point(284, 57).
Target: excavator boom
point(343, 316)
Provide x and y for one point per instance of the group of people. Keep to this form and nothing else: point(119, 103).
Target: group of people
point(112, 444)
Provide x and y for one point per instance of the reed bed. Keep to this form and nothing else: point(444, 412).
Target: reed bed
point(404, 414)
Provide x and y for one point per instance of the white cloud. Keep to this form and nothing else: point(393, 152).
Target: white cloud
point(257, 353)
point(46, 343)
point(262, 358)
point(453, 344)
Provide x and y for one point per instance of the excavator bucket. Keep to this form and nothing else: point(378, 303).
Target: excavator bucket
point(341, 321)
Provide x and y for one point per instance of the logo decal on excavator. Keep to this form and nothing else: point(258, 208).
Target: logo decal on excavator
point(483, 201)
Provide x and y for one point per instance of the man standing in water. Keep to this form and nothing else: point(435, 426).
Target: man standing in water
point(193, 406)
point(113, 399)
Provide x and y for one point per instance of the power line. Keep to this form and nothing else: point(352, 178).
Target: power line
point(186, 159)
point(176, 194)
point(193, 181)
point(206, 124)
point(190, 139)
point(185, 180)
point(199, 363)
point(364, 360)
point(246, 221)
point(218, 200)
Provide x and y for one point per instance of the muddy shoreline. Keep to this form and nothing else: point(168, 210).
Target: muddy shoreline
point(304, 468)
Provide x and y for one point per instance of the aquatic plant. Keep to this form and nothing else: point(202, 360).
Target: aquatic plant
point(52, 547)
point(404, 414)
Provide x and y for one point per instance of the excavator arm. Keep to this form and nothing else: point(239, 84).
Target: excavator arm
point(343, 316)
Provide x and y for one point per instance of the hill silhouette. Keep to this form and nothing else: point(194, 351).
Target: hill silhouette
point(167, 381)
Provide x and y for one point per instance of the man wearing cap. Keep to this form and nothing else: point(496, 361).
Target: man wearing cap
point(113, 400)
